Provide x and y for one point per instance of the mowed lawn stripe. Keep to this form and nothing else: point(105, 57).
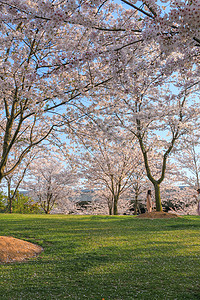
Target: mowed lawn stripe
point(110, 257)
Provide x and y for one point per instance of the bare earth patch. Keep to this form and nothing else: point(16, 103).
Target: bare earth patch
point(16, 250)
point(158, 215)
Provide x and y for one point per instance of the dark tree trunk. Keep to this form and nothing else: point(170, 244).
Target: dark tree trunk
point(157, 197)
point(136, 201)
point(10, 198)
point(115, 210)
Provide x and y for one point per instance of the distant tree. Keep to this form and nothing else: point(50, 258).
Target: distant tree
point(50, 183)
point(188, 160)
point(105, 197)
point(178, 199)
point(139, 187)
point(109, 165)
point(14, 180)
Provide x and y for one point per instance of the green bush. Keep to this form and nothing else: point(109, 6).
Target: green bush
point(24, 205)
point(2, 202)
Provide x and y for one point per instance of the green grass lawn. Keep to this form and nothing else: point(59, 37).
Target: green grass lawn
point(95, 257)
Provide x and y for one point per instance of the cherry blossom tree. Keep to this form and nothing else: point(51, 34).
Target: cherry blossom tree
point(51, 183)
point(172, 28)
point(140, 185)
point(155, 113)
point(177, 197)
point(15, 179)
point(45, 54)
point(108, 164)
point(188, 160)
point(55, 57)
point(173, 23)
point(179, 200)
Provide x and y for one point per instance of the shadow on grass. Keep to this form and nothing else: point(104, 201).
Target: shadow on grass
point(182, 226)
point(106, 273)
point(97, 257)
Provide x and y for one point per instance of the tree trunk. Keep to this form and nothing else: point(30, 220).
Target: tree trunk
point(157, 197)
point(10, 205)
point(48, 204)
point(110, 205)
point(115, 211)
point(110, 210)
point(136, 201)
point(9, 197)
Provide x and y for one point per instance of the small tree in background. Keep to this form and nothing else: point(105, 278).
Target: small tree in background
point(188, 159)
point(51, 183)
point(14, 180)
point(109, 165)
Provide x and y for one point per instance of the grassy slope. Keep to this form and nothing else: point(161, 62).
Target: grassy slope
point(95, 257)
